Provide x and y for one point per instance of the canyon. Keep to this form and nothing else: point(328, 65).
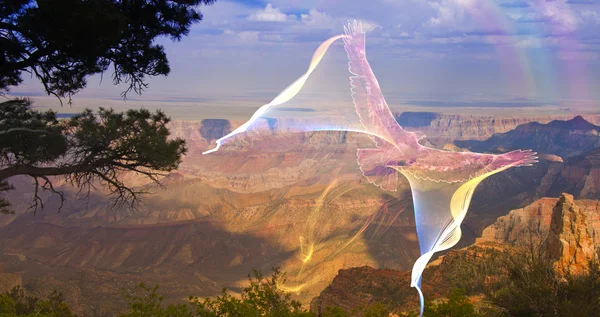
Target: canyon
point(297, 201)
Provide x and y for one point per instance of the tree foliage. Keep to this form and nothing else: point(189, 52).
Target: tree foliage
point(262, 298)
point(457, 304)
point(376, 309)
point(89, 149)
point(147, 302)
point(63, 42)
point(16, 303)
point(533, 288)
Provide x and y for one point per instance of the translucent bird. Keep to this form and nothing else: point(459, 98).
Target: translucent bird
point(442, 182)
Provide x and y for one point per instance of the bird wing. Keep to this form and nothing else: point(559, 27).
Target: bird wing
point(369, 103)
point(445, 166)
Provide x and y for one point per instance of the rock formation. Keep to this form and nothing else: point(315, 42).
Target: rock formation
point(363, 286)
point(568, 225)
point(563, 138)
point(569, 242)
point(538, 217)
point(445, 127)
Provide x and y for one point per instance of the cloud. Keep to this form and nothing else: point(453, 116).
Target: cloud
point(590, 16)
point(425, 36)
point(460, 16)
point(583, 1)
point(321, 20)
point(318, 19)
point(244, 36)
point(515, 4)
point(270, 14)
point(560, 14)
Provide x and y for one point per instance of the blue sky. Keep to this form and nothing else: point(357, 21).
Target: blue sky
point(419, 49)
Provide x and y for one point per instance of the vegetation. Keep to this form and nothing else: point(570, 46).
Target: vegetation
point(530, 289)
point(533, 288)
point(470, 271)
point(61, 43)
point(521, 281)
point(457, 304)
point(261, 298)
point(89, 149)
point(375, 310)
point(16, 303)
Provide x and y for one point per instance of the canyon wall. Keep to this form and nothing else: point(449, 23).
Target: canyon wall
point(446, 128)
point(566, 228)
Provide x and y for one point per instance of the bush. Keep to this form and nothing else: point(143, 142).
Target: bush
point(16, 303)
point(457, 304)
point(532, 287)
point(261, 298)
point(334, 312)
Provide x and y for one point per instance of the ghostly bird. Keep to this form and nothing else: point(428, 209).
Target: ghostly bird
point(442, 182)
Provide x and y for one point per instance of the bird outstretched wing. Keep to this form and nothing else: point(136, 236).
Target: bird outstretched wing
point(393, 144)
point(445, 166)
point(370, 105)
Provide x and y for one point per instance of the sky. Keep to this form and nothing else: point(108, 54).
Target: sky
point(423, 50)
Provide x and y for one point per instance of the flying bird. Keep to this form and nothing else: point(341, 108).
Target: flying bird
point(442, 182)
point(405, 154)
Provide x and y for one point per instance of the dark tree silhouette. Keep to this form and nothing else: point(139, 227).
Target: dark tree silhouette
point(63, 42)
point(88, 149)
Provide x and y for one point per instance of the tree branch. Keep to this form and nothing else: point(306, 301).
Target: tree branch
point(49, 186)
point(34, 171)
point(23, 129)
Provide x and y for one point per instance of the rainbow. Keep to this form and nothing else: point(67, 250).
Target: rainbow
point(532, 72)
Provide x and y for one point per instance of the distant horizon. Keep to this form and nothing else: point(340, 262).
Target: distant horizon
point(239, 108)
point(542, 51)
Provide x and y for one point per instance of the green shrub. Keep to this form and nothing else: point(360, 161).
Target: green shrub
point(16, 303)
point(457, 304)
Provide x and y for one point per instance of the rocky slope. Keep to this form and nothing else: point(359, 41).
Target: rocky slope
point(9, 280)
point(193, 228)
point(571, 242)
point(537, 217)
point(563, 138)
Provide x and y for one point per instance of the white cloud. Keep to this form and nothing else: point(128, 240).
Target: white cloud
point(463, 16)
point(242, 37)
point(590, 16)
point(271, 14)
point(321, 20)
point(369, 26)
point(318, 19)
point(559, 12)
point(449, 12)
point(248, 36)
